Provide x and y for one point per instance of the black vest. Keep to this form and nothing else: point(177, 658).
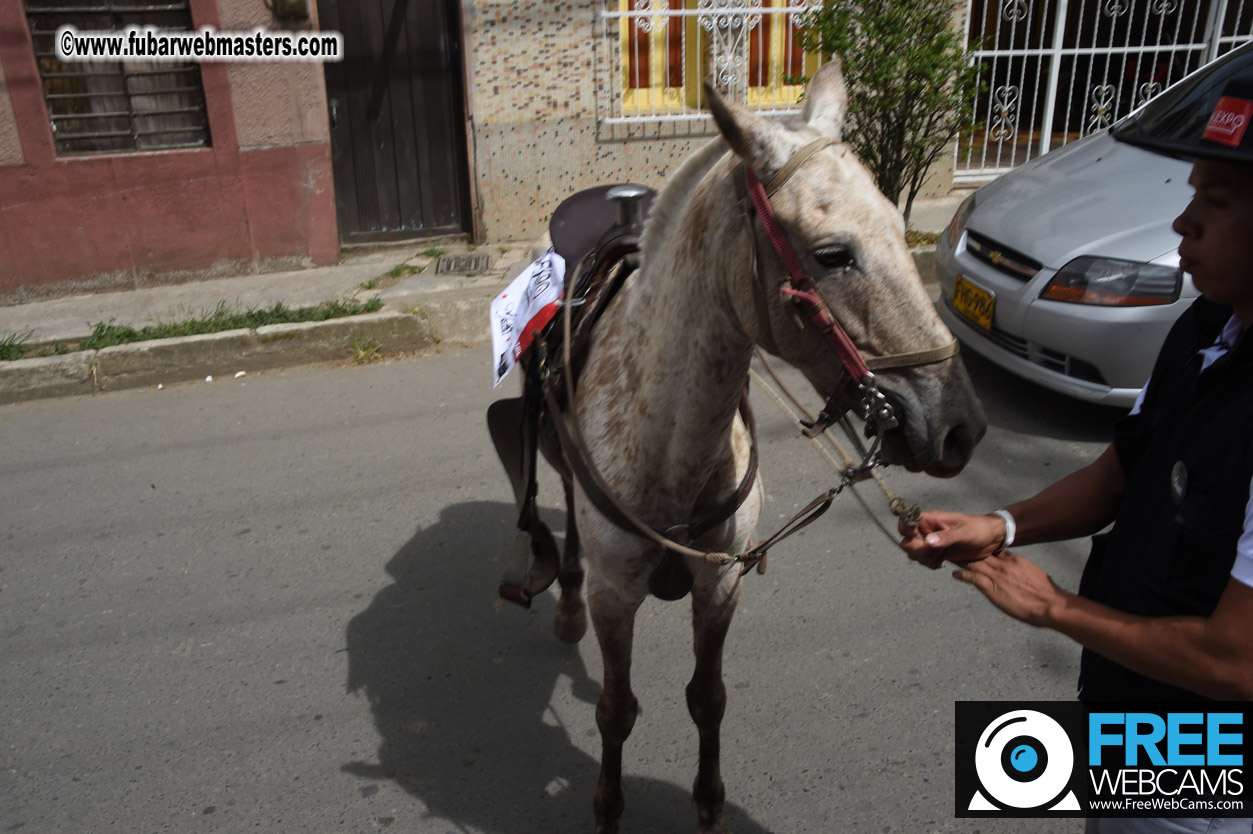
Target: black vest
point(1170, 551)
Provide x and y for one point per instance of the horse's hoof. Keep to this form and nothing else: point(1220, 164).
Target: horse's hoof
point(570, 626)
point(720, 827)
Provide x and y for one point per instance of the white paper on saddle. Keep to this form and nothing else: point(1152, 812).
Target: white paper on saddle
point(526, 305)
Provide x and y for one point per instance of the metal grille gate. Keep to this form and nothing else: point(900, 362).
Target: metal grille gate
point(1056, 70)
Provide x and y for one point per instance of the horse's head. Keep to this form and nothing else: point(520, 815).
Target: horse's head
point(849, 240)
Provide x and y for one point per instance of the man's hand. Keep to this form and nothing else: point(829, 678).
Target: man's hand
point(1015, 585)
point(953, 536)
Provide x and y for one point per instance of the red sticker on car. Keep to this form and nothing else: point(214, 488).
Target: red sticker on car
point(1230, 120)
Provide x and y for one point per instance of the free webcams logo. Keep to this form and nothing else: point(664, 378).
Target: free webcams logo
point(1112, 759)
point(1024, 760)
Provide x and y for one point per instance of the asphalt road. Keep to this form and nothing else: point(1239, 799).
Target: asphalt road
point(268, 604)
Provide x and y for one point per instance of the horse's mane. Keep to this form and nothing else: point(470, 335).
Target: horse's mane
point(675, 194)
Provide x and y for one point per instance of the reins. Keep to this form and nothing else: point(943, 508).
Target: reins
point(849, 472)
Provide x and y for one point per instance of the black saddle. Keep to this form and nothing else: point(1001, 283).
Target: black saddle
point(583, 220)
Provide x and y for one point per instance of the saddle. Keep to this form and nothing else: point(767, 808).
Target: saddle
point(598, 231)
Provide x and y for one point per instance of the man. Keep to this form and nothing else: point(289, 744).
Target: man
point(1165, 606)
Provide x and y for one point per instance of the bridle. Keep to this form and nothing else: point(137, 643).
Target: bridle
point(871, 404)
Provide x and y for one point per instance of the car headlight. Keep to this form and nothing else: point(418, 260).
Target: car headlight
point(958, 224)
point(1113, 283)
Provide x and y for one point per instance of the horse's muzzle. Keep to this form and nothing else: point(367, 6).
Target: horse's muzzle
point(941, 449)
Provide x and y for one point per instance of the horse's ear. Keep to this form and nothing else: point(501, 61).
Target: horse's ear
point(826, 100)
point(756, 140)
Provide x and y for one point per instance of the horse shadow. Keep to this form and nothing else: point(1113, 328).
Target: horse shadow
point(462, 697)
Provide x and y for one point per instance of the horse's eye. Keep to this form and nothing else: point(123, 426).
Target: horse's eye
point(835, 257)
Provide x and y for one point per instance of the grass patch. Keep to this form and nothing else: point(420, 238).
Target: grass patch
point(401, 271)
point(224, 317)
point(433, 252)
point(13, 345)
point(364, 350)
point(913, 238)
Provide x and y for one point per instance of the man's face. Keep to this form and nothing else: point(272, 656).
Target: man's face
point(1217, 230)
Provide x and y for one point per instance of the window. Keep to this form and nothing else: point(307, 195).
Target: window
point(666, 48)
point(110, 106)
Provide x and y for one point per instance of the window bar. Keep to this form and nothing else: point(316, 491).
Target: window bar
point(1196, 25)
point(1143, 89)
point(991, 64)
point(682, 23)
point(1022, 76)
point(1022, 97)
point(108, 8)
point(1087, 84)
point(959, 166)
point(1221, 25)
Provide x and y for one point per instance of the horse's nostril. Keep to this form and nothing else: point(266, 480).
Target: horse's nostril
point(959, 445)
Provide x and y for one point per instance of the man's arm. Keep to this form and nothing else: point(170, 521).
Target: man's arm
point(1212, 656)
point(1078, 505)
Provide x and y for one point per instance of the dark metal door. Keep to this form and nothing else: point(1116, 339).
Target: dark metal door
point(397, 119)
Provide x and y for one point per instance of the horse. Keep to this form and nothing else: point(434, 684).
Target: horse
point(658, 398)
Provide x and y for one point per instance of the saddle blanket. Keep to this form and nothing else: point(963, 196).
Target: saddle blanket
point(527, 305)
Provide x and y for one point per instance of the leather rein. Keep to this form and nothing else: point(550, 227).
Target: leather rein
point(873, 406)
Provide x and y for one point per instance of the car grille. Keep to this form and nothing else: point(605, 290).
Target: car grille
point(1001, 258)
point(1053, 360)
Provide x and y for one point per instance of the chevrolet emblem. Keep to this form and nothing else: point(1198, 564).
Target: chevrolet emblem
point(996, 257)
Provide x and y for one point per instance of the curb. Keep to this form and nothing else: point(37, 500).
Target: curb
point(166, 361)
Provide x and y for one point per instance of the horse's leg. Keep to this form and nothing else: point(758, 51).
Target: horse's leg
point(614, 621)
point(570, 622)
point(713, 606)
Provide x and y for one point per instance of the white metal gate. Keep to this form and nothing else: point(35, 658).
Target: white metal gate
point(1057, 70)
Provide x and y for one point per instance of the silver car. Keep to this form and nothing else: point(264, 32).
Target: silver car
point(1065, 270)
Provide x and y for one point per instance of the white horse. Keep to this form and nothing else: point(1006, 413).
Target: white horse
point(668, 364)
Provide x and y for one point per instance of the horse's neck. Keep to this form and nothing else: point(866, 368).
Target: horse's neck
point(681, 351)
point(691, 345)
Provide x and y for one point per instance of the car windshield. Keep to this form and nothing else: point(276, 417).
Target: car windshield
point(1183, 110)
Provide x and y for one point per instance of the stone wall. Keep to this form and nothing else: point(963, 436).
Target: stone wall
point(534, 102)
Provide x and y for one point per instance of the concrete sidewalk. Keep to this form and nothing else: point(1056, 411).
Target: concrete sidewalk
point(423, 308)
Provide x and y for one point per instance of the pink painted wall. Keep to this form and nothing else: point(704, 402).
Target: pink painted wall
point(10, 145)
point(276, 103)
point(261, 198)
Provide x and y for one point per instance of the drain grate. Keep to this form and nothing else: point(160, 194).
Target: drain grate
point(462, 264)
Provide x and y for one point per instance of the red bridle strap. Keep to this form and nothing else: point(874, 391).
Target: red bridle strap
point(802, 290)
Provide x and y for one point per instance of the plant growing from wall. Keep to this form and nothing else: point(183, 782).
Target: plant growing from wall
point(910, 84)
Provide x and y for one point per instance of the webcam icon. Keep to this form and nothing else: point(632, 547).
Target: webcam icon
point(1024, 761)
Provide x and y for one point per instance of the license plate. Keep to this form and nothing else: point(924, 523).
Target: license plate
point(975, 303)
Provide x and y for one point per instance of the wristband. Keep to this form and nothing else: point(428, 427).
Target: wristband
point(1010, 529)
